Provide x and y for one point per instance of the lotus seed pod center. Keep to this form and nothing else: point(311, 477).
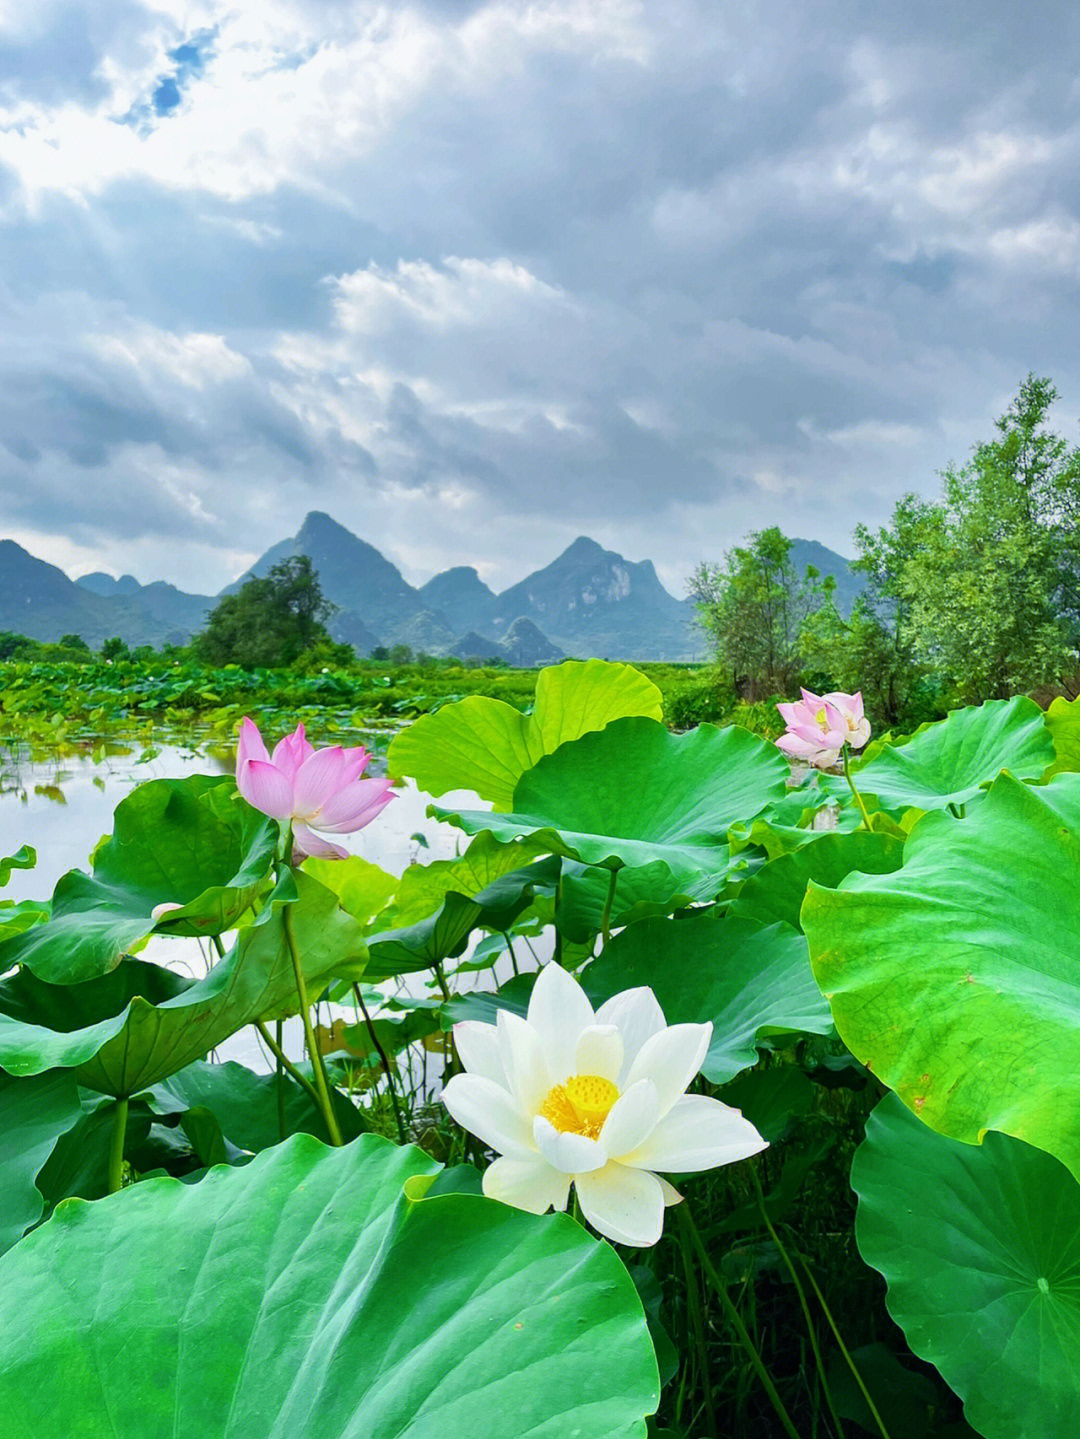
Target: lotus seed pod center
point(581, 1105)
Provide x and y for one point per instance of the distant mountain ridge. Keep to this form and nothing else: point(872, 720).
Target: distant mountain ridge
point(587, 602)
point(38, 600)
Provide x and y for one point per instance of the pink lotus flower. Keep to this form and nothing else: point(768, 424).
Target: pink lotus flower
point(314, 788)
point(819, 726)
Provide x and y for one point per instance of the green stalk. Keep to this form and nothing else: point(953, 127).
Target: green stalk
point(735, 1320)
point(285, 1064)
point(385, 1062)
point(510, 950)
point(605, 922)
point(697, 1324)
point(801, 1292)
point(854, 791)
point(844, 1351)
point(317, 1067)
point(280, 1059)
point(116, 1146)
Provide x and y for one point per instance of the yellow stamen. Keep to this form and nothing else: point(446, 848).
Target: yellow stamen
point(581, 1105)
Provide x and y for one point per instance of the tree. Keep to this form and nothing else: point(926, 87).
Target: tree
point(73, 642)
point(990, 592)
point(270, 620)
point(873, 649)
point(753, 607)
point(114, 648)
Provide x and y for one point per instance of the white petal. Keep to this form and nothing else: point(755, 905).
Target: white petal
point(530, 1184)
point(670, 1193)
point(671, 1059)
point(698, 1133)
point(488, 1111)
point(632, 1119)
point(625, 1205)
point(559, 1010)
point(478, 1049)
point(569, 1153)
point(637, 1015)
point(599, 1051)
point(523, 1060)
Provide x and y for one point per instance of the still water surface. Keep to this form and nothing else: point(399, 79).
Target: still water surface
point(62, 806)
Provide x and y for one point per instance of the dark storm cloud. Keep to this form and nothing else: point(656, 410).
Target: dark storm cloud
point(479, 277)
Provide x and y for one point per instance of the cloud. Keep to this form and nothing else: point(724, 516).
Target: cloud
point(479, 275)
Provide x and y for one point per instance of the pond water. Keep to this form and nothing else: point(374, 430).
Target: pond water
point(62, 805)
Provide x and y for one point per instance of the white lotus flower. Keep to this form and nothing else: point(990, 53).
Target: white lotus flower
point(598, 1100)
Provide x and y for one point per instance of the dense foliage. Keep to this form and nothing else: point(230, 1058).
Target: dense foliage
point(895, 1006)
point(972, 596)
point(271, 619)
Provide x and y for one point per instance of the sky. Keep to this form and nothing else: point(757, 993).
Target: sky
point(477, 278)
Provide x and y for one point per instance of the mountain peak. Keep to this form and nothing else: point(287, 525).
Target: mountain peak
point(583, 548)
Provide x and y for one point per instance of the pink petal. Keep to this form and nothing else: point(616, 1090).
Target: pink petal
point(377, 795)
point(793, 713)
point(308, 844)
point(250, 744)
point(319, 778)
point(291, 752)
point(355, 807)
point(810, 700)
point(265, 788)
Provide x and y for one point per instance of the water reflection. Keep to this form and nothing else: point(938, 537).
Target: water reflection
point(61, 805)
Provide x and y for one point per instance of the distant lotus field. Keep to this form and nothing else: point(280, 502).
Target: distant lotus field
point(724, 1083)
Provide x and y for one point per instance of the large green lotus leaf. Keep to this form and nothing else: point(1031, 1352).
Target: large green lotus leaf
point(314, 1294)
point(634, 794)
point(1063, 722)
point(751, 980)
point(639, 894)
point(776, 891)
point(486, 745)
point(140, 1023)
point(362, 888)
point(957, 979)
point(34, 1113)
point(445, 933)
point(423, 887)
point(980, 1247)
point(245, 1104)
point(179, 841)
point(952, 761)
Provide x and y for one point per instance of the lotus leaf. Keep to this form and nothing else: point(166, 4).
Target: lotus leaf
point(135, 1026)
point(177, 841)
point(444, 934)
point(956, 978)
point(294, 1298)
point(776, 891)
point(34, 1113)
point(633, 794)
point(486, 745)
point(980, 1247)
point(953, 760)
point(751, 980)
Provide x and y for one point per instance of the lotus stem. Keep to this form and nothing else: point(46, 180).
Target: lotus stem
point(735, 1320)
point(384, 1060)
point(605, 922)
point(285, 1064)
point(854, 791)
point(697, 1324)
point(116, 1146)
point(280, 1086)
point(844, 1350)
point(801, 1292)
point(314, 1055)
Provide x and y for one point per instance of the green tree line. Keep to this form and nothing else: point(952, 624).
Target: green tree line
point(971, 596)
